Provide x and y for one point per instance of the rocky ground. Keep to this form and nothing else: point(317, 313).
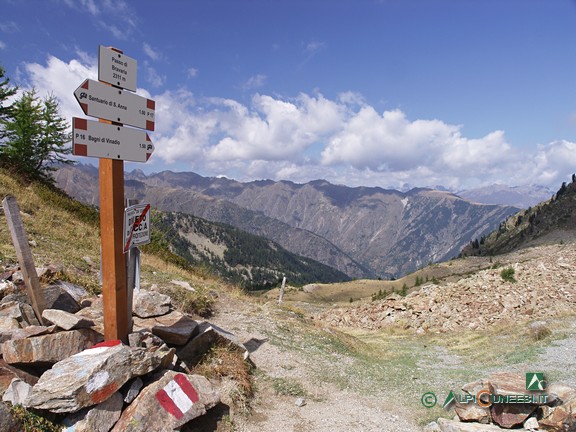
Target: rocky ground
point(542, 287)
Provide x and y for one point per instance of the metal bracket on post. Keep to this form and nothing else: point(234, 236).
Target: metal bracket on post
point(132, 272)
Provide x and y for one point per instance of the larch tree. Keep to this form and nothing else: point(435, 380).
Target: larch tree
point(6, 92)
point(35, 137)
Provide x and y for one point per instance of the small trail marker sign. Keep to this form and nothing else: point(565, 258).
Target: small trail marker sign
point(116, 68)
point(136, 226)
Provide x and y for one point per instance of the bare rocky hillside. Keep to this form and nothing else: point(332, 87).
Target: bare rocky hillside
point(531, 284)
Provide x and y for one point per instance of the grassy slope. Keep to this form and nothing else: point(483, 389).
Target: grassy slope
point(65, 232)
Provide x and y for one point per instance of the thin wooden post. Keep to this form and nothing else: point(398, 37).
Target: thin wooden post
point(282, 290)
point(113, 259)
point(24, 254)
point(133, 274)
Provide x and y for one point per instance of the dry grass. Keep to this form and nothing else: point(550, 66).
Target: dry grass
point(59, 236)
point(363, 289)
point(226, 362)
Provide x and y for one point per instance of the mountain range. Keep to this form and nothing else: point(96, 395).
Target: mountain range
point(360, 231)
point(516, 196)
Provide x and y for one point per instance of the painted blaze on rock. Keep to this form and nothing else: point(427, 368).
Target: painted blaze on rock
point(178, 396)
point(92, 376)
point(168, 404)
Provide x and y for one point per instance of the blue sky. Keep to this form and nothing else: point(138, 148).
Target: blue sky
point(391, 93)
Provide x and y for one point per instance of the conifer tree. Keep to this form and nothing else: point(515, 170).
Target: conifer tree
point(35, 136)
point(6, 91)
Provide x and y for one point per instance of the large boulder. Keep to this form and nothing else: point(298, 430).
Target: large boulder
point(99, 418)
point(93, 375)
point(148, 304)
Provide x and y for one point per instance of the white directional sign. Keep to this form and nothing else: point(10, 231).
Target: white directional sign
point(110, 103)
point(116, 68)
point(102, 140)
point(136, 226)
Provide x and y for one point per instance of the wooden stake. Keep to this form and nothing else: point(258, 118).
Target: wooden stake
point(282, 290)
point(24, 254)
point(113, 258)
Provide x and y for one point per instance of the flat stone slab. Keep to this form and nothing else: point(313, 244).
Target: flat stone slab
point(209, 334)
point(66, 320)
point(50, 348)
point(174, 328)
point(446, 425)
point(94, 314)
point(8, 373)
point(148, 304)
point(99, 418)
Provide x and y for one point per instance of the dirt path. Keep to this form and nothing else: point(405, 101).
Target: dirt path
point(290, 367)
point(373, 380)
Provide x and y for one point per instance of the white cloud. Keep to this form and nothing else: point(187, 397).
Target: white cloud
point(344, 140)
point(2, 45)
point(192, 72)
point(552, 161)
point(254, 82)
point(89, 5)
point(95, 8)
point(61, 79)
point(150, 52)
point(9, 27)
point(114, 16)
point(153, 77)
point(274, 129)
point(313, 47)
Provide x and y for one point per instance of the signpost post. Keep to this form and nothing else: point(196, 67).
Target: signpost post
point(113, 143)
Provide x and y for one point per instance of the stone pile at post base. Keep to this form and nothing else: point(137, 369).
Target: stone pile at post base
point(65, 368)
point(552, 409)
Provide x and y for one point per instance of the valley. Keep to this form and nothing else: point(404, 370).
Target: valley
point(362, 232)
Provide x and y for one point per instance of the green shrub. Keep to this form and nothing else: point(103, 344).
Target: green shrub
point(32, 422)
point(507, 274)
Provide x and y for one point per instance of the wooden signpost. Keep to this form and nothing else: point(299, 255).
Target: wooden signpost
point(110, 141)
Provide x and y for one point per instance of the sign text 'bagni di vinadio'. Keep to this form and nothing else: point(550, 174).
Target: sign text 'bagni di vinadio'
point(102, 140)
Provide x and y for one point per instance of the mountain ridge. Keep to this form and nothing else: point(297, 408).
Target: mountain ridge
point(362, 231)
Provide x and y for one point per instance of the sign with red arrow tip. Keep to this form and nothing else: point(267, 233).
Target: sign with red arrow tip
point(103, 140)
point(110, 103)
